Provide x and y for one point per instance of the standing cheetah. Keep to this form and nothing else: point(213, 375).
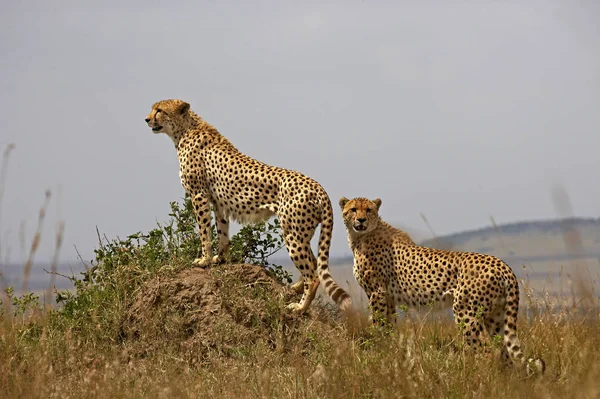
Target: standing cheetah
point(482, 290)
point(214, 172)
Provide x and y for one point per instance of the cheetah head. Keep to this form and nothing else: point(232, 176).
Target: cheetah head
point(361, 215)
point(167, 115)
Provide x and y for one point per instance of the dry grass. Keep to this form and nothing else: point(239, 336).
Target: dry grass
point(349, 359)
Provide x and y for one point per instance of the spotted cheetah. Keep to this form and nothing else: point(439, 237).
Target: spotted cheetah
point(482, 290)
point(214, 172)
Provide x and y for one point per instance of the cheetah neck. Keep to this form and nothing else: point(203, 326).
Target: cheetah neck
point(355, 239)
point(194, 127)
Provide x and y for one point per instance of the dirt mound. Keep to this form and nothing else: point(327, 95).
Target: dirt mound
point(220, 310)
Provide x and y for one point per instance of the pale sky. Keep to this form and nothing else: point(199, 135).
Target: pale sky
point(460, 110)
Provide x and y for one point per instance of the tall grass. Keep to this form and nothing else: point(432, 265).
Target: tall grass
point(79, 349)
point(41, 357)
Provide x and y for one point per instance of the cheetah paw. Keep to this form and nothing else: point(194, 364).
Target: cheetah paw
point(218, 259)
point(201, 262)
point(294, 307)
point(298, 286)
point(535, 367)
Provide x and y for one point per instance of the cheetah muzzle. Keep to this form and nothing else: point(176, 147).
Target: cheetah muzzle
point(360, 227)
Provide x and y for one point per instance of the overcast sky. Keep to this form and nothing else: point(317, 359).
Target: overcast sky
point(456, 109)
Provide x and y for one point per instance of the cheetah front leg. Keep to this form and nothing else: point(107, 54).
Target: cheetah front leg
point(202, 211)
point(392, 311)
point(379, 302)
point(378, 305)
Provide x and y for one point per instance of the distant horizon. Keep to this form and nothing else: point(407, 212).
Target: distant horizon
point(419, 240)
point(544, 261)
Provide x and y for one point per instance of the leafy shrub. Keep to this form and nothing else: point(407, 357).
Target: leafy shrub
point(121, 266)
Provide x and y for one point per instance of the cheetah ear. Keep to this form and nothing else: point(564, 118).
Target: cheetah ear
point(343, 202)
point(183, 108)
point(377, 202)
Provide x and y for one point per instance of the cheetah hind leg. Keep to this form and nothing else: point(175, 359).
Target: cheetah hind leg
point(307, 265)
point(310, 287)
point(495, 328)
point(298, 286)
point(222, 223)
point(469, 325)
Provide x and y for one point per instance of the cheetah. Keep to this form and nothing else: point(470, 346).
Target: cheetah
point(482, 290)
point(214, 172)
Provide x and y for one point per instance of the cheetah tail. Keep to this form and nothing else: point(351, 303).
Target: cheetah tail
point(339, 296)
point(513, 345)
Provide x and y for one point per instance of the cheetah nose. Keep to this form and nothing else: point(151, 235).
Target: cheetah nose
point(147, 120)
point(361, 220)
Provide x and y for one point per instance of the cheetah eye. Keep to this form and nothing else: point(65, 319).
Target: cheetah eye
point(158, 110)
point(368, 210)
point(353, 210)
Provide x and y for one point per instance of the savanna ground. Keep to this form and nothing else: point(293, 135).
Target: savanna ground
point(142, 323)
